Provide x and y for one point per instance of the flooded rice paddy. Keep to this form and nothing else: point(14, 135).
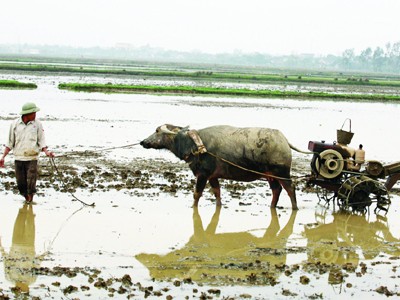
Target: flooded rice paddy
point(142, 239)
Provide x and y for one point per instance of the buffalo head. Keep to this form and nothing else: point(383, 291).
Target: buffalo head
point(162, 138)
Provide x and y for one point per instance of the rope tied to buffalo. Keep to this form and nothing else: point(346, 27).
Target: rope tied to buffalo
point(53, 164)
point(201, 149)
point(248, 170)
point(59, 174)
point(96, 151)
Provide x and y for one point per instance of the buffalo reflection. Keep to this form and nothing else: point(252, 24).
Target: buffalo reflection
point(348, 235)
point(209, 255)
point(21, 259)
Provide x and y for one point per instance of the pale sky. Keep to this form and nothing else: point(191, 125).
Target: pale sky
point(213, 26)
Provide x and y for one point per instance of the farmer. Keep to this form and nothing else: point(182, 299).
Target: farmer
point(26, 139)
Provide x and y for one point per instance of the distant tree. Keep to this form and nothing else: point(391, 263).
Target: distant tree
point(365, 58)
point(378, 59)
point(388, 55)
point(394, 58)
point(348, 58)
point(388, 49)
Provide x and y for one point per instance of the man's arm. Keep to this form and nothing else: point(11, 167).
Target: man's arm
point(42, 141)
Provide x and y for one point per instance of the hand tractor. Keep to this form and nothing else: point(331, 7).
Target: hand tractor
point(343, 174)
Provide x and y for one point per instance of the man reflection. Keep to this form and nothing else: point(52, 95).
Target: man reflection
point(18, 263)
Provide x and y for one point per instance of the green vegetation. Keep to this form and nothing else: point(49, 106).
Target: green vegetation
point(16, 84)
point(202, 73)
point(219, 75)
point(118, 88)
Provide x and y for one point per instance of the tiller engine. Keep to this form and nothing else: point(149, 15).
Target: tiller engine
point(344, 175)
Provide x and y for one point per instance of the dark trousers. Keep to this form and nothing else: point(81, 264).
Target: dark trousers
point(26, 173)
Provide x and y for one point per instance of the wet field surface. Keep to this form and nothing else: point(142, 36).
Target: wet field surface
point(143, 239)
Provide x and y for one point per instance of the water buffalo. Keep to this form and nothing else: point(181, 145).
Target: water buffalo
point(243, 154)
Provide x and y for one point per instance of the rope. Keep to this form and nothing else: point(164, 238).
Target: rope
point(95, 151)
point(53, 164)
point(248, 170)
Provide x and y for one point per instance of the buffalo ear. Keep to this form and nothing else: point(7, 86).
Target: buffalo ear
point(185, 128)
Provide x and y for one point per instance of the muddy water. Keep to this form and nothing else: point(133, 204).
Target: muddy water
point(143, 239)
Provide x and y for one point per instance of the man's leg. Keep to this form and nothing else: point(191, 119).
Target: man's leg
point(21, 176)
point(32, 174)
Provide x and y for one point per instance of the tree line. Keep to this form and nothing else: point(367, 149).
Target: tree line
point(378, 60)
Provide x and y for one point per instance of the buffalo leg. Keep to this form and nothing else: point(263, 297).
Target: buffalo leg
point(212, 227)
point(288, 229)
point(289, 187)
point(216, 190)
point(200, 185)
point(276, 191)
point(273, 228)
point(198, 225)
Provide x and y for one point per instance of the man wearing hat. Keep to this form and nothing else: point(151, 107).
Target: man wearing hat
point(26, 139)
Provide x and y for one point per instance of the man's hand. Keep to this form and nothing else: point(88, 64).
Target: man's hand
point(6, 151)
point(48, 153)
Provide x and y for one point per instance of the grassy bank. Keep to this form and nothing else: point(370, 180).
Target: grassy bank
point(212, 75)
point(117, 88)
point(13, 84)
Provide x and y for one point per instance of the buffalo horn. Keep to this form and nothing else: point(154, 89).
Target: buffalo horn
point(164, 129)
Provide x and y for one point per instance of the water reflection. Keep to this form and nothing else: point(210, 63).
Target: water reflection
point(20, 260)
point(349, 238)
point(214, 257)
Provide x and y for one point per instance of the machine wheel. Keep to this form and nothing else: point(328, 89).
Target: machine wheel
point(359, 192)
point(329, 164)
point(325, 195)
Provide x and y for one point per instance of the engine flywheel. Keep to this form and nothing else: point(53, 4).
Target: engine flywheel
point(329, 164)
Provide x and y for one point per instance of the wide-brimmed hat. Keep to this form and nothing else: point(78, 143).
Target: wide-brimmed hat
point(29, 108)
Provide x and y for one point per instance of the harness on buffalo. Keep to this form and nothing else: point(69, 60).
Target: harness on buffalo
point(194, 135)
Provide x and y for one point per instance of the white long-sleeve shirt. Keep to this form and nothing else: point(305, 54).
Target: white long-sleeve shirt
point(26, 140)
